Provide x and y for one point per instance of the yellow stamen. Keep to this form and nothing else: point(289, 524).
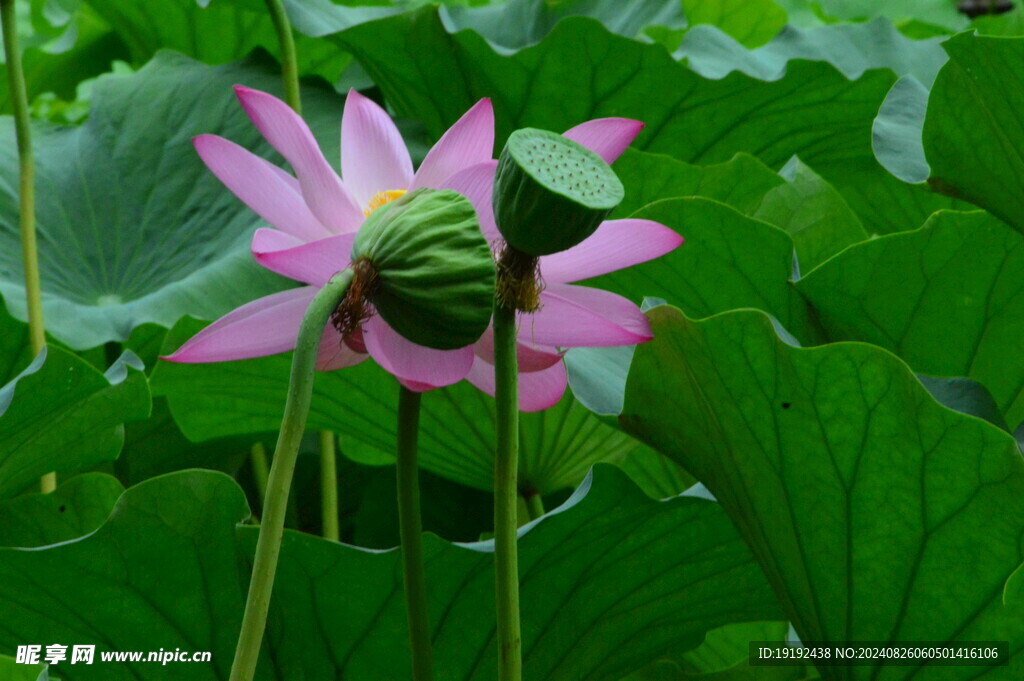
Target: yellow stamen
point(381, 198)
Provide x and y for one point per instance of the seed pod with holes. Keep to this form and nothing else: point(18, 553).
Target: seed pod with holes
point(551, 193)
point(429, 268)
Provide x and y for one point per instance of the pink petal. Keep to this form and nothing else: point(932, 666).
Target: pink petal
point(323, 190)
point(615, 245)
point(415, 386)
point(373, 155)
point(476, 183)
point(578, 316)
point(468, 142)
point(530, 357)
point(607, 137)
point(263, 327)
point(311, 263)
point(260, 185)
point(412, 362)
point(335, 354)
point(537, 391)
point(273, 240)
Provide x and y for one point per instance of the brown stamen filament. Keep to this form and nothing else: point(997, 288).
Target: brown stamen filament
point(519, 283)
point(355, 308)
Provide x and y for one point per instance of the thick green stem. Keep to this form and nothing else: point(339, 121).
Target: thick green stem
point(275, 504)
point(534, 505)
point(289, 61)
point(410, 527)
point(26, 191)
point(506, 500)
point(328, 486)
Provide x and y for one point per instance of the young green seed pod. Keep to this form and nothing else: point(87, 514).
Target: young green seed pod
point(428, 269)
point(551, 193)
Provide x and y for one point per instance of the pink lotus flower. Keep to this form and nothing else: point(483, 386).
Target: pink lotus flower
point(570, 316)
point(317, 214)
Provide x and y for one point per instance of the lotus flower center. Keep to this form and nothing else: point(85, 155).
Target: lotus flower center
point(381, 198)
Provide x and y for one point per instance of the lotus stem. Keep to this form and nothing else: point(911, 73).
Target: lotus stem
point(329, 486)
point(411, 531)
point(26, 192)
point(506, 498)
point(275, 504)
point(289, 60)
point(258, 459)
point(534, 504)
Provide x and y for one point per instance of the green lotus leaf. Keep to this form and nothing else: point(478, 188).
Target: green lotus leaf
point(878, 514)
point(76, 508)
point(11, 670)
point(216, 32)
point(457, 426)
point(851, 48)
point(813, 213)
point(948, 299)
point(610, 581)
point(750, 22)
point(728, 261)
point(61, 414)
point(740, 182)
point(432, 72)
point(974, 126)
point(132, 226)
point(85, 50)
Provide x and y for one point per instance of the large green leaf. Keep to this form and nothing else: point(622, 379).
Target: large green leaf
point(11, 670)
point(1009, 24)
point(85, 51)
point(15, 348)
point(877, 514)
point(360, 404)
point(813, 213)
point(156, 446)
point(896, 132)
point(724, 657)
point(506, 24)
point(60, 414)
point(948, 299)
point(728, 261)
point(749, 22)
point(582, 71)
point(974, 128)
point(75, 508)
point(740, 182)
point(221, 32)
point(610, 581)
point(132, 226)
point(851, 48)
point(516, 24)
point(449, 510)
point(935, 12)
point(657, 475)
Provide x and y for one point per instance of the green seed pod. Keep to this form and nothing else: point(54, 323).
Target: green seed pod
point(427, 268)
point(551, 193)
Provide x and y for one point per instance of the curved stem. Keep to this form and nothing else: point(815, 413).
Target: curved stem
point(289, 61)
point(506, 500)
point(328, 486)
point(411, 530)
point(296, 409)
point(26, 191)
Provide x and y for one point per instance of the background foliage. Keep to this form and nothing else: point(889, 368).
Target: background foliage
point(837, 362)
